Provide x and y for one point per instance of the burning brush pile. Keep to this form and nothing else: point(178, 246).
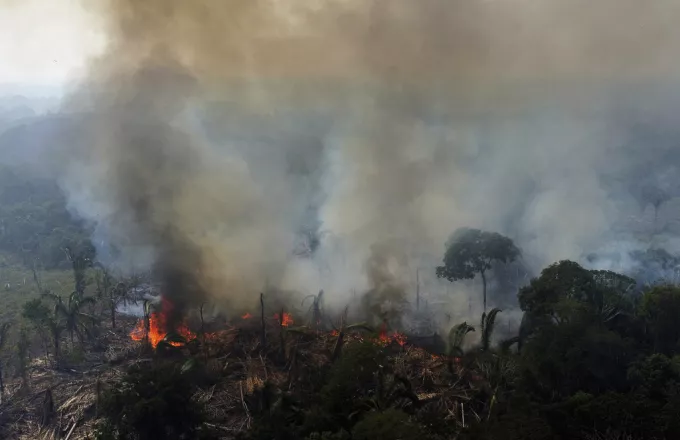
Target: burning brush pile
point(154, 328)
point(262, 375)
point(262, 369)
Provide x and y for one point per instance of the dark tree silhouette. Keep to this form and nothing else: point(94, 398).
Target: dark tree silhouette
point(472, 251)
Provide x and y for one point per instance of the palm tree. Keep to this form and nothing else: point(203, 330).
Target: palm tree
point(315, 309)
point(454, 346)
point(74, 319)
point(79, 263)
point(487, 326)
point(47, 322)
point(114, 295)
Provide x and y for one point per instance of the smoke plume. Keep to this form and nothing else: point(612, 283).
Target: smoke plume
point(224, 136)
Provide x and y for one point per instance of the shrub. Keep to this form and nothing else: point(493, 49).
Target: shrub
point(352, 377)
point(150, 402)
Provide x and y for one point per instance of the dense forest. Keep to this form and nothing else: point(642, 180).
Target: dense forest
point(35, 225)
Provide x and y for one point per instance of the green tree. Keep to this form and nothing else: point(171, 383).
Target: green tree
point(660, 308)
point(47, 323)
point(570, 330)
point(565, 291)
point(75, 320)
point(472, 251)
point(151, 402)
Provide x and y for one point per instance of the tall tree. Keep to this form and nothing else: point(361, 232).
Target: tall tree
point(79, 264)
point(566, 289)
point(471, 251)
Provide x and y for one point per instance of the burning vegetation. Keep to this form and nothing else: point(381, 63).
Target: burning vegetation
point(155, 327)
point(220, 144)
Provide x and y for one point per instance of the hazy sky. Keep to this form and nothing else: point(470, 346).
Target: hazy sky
point(46, 42)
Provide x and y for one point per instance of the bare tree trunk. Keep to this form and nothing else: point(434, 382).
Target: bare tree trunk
point(282, 340)
point(417, 289)
point(263, 336)
point(56, 346)
point(484, 284)
point(113, 312)
point(337, 349)
point(2, 385)
point(47, 408)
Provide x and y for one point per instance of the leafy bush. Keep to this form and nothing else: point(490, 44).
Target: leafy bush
point(352, 378)
point(151, 402)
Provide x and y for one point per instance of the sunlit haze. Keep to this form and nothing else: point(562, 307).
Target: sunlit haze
point(46, 43)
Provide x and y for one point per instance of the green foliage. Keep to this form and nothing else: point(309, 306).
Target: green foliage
point(560, 360)
point(454, 346)
point(471, 251)
point(565, 291)
point(559, 292)
point(621, 412)
point(655, 375)
point(391, 424)
point(36, 312)
point(592, 360)
point(75, 320)
point(34, 221)
point(150, 402)
point(661, 308)
point(45, 321)
point(352, 376)
point(487, 326)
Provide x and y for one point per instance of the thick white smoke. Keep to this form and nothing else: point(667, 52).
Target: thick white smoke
point(220, 131)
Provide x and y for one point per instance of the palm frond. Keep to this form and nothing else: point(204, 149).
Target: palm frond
point(488, 323)
point(360, 326)
point(306, 298)
point(456, 338)
point(301, 330)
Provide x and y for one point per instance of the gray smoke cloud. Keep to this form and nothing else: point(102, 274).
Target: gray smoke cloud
point(220, 130)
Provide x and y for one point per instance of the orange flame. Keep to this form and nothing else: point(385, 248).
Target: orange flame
point(158, 327)
point(385, 339)
point(399, 338)
point(286, 321)
point(247, 316)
